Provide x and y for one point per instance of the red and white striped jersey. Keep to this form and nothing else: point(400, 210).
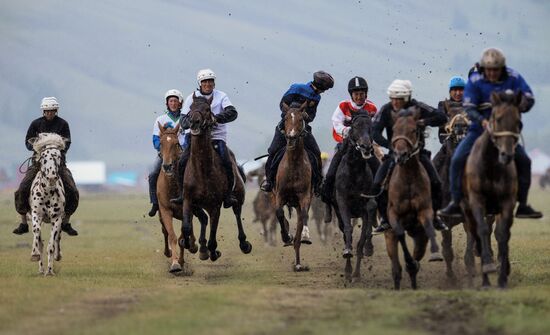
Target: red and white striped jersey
point(344, 112)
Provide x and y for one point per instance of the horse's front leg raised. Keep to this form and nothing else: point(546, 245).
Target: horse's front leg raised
point(287, 238)
point(425, 217)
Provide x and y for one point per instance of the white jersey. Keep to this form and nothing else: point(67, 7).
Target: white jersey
point(219, 102)
point(166, 119)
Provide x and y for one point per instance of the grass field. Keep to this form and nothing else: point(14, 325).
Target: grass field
point(113, 279)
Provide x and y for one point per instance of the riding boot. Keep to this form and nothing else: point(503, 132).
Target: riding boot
point(436, 205)
point(327, 189)
point(384, 225)
point(66, 226)
point(230, 199)
point(267, 184)
point(525, 211)
point(179, 180)
point(154, 210)
point(153, 177)
point(23, 226)
point(452, 210)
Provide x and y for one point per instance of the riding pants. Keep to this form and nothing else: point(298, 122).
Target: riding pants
point(153, 177)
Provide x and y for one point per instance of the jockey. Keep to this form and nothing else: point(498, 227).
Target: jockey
point(456, 97)
point(224, 112)
point(299, 93)
point(341, 120)
point(169, 119)
point(50, 122)
point(400, 98)
point(491, 74)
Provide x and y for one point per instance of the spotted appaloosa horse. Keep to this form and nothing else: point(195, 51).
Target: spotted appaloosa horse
point(490, 184)
point(47, 198)
point(293, 183)
point(166, 189)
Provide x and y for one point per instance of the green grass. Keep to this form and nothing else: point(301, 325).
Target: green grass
point(113, 279)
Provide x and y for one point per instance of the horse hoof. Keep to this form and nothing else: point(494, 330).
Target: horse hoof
point(347, 253)
point(35, 258)
point(168, 253)
point(49, 274)
point(301, 268)
point(203, 256)
point(174, 268)
point(58, 258)
point(488, 268)
point(306, 241)
point(215, 255)
point(246, 247)
point(289, 241)
point(369, 250)
point(436, 257)
point(194, 248)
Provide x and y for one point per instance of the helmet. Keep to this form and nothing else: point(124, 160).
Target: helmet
point(49, 103)
point(323, 80)
point(205, 74)
point(457, 82)
point(174, 93)
point(400, 89)
point(357, 84)
point(492, 58)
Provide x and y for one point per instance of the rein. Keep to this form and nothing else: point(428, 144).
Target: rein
point(414, 146)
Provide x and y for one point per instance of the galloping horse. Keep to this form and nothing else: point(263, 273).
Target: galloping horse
point(167, 188)
point(410, 200)
point(355, 179)
point(490, 183)
point(263, 208)
point(47, 198)
point(205, 182)
point(293, 185)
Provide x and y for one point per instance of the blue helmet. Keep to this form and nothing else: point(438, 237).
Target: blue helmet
point(457, 82)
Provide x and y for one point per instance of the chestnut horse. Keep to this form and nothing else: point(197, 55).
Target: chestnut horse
point(167, 188)
point(293, 182)
point(490, 183)
point(205, 182)
point(410, 200)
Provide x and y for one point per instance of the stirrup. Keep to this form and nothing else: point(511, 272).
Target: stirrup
point(178, 200)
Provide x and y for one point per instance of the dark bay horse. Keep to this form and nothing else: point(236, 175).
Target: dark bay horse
point(490, 183)
point(355, 179)
point(167, 188)
point(410, 200)
point(293, 182)
point(205, 182)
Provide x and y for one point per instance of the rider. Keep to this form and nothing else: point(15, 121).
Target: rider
point(490, 75)
point(224, 112)
point(50, 122)
point(341, 120)
point(169, 119)
point(400, 98)
point(299, 93)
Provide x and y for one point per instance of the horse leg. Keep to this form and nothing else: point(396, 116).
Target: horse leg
point(203, 220)
point(411, 265)
point(371, 222)
point(167, 251)
point(56, 230)
point(447, 248)
point(391, 247)
point(37, 245)
point(287, 238)
point(273, 231)
point(187, 223)
point(502, 234)
point(469, 258)
point(168, 223)
point(361, 245)
point(420, 245)
point(264, 231)
point(212, 242)
point(347, 229)
point(302, 221)
point(425, 217)
point(245, 246)
point(487, 264)
point(57, 251)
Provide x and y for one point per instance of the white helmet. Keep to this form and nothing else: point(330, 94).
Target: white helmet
point(49, 103)
point(492, 58)
point(174, 93)
point(400, 89)
point(205, 74)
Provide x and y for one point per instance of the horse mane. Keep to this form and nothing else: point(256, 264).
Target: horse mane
point(405, 112)
point(48, 139)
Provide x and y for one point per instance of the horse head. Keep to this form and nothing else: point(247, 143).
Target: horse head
point(406, 135)
point(48, 147)
point(201, 117)
point(505, 124)
point(360, 134)
point(295, 122)
point(169, 148)
point(457, 127)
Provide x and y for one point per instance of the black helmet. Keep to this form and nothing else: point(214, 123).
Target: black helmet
point(323, 80)
point(357, 84)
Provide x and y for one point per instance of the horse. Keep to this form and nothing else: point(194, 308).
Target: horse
point(205, 182)
point(490, 184)
point(263, 209)
point(545, 179)
point(355, 179)
point(47, 198)
point(293, 185)
point(455, 131)
point(167, 188)
point(410, 201)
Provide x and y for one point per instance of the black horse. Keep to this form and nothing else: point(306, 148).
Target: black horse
point(355, 176)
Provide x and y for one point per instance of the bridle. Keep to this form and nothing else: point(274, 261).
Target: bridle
point(415, 147)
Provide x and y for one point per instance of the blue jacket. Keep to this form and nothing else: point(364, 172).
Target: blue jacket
point(477, 95)
point(300, 93)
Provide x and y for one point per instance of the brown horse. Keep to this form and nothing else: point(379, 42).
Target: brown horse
point(205, 182)
point(490, 184)
point(167, 189)
point(263, 208)
point(293, 185)
point(410, 201)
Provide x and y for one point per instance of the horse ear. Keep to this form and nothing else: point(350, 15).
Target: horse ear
point(285, 107)
point(161, 128)
point(495, 98)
